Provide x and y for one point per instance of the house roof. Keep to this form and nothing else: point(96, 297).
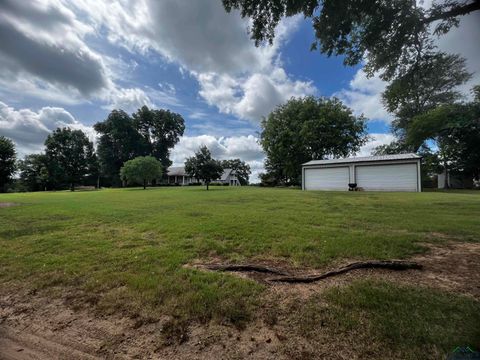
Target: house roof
point(176, 171)
point(180, 171)
point(226, 173)
point(410, 156)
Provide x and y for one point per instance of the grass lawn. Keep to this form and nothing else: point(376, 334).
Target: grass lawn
point(124, 250)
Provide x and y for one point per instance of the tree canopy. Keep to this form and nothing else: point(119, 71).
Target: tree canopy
point(308, 128)
point(434, 82)
point(203, 167)
point(7, 161)
point(161, 130)
point(119, 142)
point(34, 172)
point(141, 170)
point(455, 129)
point(71, 155)
point(124, 137)
point(390, 35)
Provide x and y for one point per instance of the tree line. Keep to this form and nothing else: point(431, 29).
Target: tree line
point(131, 149)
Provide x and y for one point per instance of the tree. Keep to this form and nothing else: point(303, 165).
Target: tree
point(455, 129)
point(203, 167)
point(434, 82)
point(391, 35)
point(71, 155)
point(161, 130)
point(241, 168)
point(7, 161)
point(34, 173)
point(119, 142)
point(308, 128)
point(142, 169)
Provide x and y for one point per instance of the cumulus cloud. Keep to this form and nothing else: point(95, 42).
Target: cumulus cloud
point(253, 96)
point(364, 96)
point(29, 129)
point(44, 40)
point(376, 139)
point(244, 147)
point(213, 46)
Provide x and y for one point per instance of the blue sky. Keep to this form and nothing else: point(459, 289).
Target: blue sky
point(68, 63)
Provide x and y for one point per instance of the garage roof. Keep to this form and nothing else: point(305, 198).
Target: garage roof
point(364, 159)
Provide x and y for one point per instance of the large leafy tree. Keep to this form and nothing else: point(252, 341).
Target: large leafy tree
point(71, 156)
point(161, 130)
point(308, 128)
point(119, 142)
point(241, 168)
point(7, 161)
point(34, 172)
point(455, 130)
point(432, 83)
point(141, 170)
point(203, 167)
point(390, 35)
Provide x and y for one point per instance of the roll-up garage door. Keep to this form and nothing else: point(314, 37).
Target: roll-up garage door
point(401, 177)
point(335, 178)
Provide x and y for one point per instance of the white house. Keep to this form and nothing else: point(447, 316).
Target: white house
point(177, 175)
point(399, 172)
point(229, 177)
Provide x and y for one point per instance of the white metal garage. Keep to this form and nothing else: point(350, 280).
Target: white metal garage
point(373, 173)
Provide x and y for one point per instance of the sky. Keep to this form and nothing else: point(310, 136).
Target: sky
point(69, 63)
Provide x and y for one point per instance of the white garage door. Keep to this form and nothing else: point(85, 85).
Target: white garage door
point(327, 178)
point(401, 177)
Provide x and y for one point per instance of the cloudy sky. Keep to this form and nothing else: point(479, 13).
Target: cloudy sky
point(68, 63)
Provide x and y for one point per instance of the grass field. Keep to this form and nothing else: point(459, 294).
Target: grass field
point(125, 250)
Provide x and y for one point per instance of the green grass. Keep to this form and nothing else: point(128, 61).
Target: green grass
point(125, 249)
point(388, 321)
point(385, 313)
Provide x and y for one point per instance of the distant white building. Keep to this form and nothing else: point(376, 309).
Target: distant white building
point(177, 175)
point(370, 173)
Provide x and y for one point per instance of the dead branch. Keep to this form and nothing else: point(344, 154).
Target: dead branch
point(391, 265)
point(247, 268)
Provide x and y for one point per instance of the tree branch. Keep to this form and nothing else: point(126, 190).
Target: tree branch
point(392, 265)
point(454, 12)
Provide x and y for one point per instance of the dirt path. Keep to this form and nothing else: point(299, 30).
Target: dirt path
point(36, 327)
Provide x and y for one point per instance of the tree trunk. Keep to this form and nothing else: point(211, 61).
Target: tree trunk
point(98, 182)
point(445, 183)
point(144, 184)
point(207, 184)
point(72, 187)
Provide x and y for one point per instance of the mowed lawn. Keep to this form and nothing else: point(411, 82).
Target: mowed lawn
point(125, 250)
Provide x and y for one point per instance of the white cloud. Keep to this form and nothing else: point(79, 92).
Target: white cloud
point(244, 147)
point(364, 96)
point(213, 46)
point(252, 96)
point(29, 129)
point(44, 40)
point(464, 40)
point(375, 140)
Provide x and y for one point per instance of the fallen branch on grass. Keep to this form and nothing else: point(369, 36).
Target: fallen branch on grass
point(247, 268)
point(391, 265)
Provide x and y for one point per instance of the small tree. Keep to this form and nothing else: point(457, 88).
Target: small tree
point(142, 169)
point(203, 167)
point(7, 161)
